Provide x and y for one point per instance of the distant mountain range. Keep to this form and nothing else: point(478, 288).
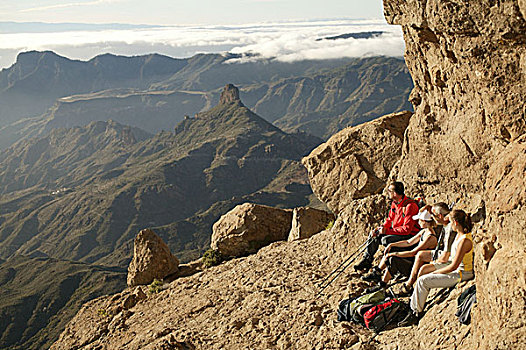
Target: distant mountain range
point(359, 35)
point(42, 91)
point(91, 189)
point(82, 194)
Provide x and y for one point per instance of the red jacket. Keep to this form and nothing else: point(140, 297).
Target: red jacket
point(400, 219)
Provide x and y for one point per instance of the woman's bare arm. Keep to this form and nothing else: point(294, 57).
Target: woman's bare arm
point(429, 243)
point(465, 246)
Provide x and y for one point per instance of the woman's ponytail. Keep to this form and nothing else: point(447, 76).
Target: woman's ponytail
point(463, 219)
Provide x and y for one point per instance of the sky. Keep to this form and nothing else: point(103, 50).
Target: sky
point(286, 30)
point(177, 12)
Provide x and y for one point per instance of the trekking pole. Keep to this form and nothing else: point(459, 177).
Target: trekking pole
point(346, 260)
point(343, 266)
point(435, 251)
point(343, 263)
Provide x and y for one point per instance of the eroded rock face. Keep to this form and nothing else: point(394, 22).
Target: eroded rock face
point(151, 259)
point(308, 221)
point(468, 63)
point(466, 139)
point(501, 284)
point(248, 227)
point(356, 162)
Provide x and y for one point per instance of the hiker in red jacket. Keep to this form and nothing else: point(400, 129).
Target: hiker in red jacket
point(399, 225)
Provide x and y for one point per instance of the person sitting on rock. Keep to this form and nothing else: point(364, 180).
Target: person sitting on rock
point(437, 275)
point(398, 226)
point(400, 256)
point(441, 253)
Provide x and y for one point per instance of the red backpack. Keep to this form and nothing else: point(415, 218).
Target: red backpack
point(380, 316)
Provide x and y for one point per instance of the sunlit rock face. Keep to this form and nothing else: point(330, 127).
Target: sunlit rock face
point(466, 140)
point(248, 227)
point(306, 222)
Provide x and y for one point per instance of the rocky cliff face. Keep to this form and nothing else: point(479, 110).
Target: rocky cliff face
point(467, 138)
point(230, 94)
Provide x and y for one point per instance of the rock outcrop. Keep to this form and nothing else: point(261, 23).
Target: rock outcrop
point(230, 94)
point(356, 162)
point(308, 221)
point(248, 227)
point(151, 260)
point(466, 139)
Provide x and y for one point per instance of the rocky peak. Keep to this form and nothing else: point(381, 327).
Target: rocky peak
point(32, 57)
point(230, 94)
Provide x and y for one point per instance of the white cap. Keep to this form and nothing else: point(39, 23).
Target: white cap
point(424, 215)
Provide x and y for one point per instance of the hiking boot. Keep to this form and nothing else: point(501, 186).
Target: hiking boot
point(405, 291)
point(409, 320)
point(364, 264)
point(373, 276)
point(379, 286)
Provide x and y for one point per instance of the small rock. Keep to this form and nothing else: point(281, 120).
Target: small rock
point(308, 221)
point(238, 324)
point(318, 320)
point(129, 301)
point(348, 341)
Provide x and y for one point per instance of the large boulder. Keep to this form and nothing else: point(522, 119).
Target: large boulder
point(357, 161)
point(248, 227)
point(308, 221)
point(151, 260)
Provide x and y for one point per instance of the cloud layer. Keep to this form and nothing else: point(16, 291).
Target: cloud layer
point(285, 41)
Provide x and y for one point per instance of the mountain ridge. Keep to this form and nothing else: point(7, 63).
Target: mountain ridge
point(126, 90)
point(209, 158)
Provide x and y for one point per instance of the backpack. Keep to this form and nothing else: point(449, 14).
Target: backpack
point(465, 303)
point(380, 316)
point(353, 309)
